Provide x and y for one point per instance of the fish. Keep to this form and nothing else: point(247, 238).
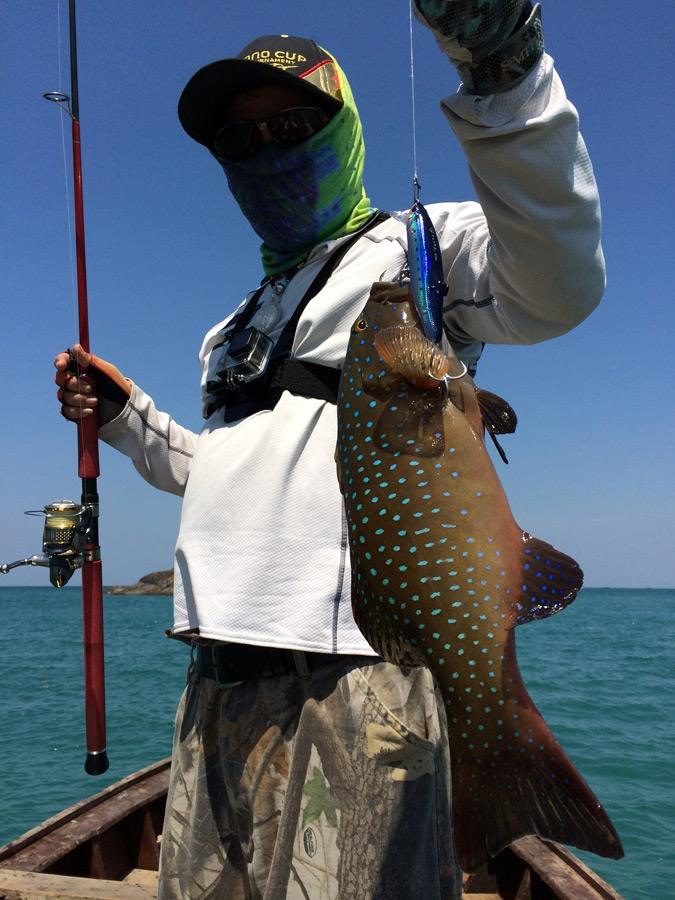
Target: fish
point(427, 280)
point(442, 575)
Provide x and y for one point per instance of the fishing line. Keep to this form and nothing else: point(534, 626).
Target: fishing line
point(416, 183)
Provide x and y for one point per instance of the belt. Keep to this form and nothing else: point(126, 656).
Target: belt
point(230, 664)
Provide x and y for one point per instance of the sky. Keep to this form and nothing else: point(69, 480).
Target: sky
point(169, 254)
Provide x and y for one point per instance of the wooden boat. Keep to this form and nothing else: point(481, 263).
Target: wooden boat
point(107, 848)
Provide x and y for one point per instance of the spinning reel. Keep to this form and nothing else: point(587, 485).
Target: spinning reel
point(65, 538)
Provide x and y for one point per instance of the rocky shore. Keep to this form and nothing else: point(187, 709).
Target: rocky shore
point(154, 583)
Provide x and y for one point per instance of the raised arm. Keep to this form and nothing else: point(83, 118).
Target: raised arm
point(526, 265)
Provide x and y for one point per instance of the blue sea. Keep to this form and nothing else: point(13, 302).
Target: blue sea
point(602, 673)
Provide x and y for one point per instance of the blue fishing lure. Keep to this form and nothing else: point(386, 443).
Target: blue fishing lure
point(427, 280)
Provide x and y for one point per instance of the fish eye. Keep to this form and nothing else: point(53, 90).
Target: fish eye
point(361, 325)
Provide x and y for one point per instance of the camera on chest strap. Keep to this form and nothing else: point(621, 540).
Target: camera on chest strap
point(248, 354)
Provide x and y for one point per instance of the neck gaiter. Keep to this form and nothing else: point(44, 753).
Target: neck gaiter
point(297, 197)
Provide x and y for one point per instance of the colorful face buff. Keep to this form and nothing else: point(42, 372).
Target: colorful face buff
point(296, 197)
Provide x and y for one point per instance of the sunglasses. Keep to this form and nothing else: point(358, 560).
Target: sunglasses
point(288, 128)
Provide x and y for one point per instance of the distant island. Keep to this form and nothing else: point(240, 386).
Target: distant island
point(154, 583)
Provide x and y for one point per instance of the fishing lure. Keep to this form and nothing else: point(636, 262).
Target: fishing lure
point(427, 279)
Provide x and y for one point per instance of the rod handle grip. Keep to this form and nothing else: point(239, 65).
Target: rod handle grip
point(94, 674)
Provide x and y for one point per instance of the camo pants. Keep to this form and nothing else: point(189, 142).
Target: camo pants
point(329, 787)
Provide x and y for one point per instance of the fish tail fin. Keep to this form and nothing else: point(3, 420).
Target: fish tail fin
point(521, 783)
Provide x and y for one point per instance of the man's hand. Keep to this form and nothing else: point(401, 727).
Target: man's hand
point(78, 396)
point(493, 43)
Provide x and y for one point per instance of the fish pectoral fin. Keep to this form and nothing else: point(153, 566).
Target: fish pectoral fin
point(498, 416)
point(550, 580)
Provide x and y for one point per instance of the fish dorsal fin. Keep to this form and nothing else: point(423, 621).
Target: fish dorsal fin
point(498, 416)
point(550, 580)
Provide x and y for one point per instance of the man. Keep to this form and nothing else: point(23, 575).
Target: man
point(304, 766)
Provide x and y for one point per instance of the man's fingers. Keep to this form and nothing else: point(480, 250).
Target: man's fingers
point(75, 390)
point(73, 414)
point(61, 361)
point(76, 357)
point(81, 385)
point(80, 400)
point(81, 358)
point(75, 404)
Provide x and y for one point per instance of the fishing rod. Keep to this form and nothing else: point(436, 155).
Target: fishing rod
point(70, 537)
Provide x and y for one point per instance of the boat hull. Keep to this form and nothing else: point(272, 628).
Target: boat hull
point(107, 848)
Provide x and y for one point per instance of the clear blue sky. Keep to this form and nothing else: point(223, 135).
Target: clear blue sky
point(592, 462)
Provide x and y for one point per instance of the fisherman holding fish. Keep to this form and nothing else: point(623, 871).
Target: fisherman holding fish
point(304, 765)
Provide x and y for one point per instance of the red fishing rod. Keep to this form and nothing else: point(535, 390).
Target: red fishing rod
point(70, 537)
point(88, 465)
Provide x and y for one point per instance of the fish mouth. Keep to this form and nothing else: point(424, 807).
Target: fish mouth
point(397, 295)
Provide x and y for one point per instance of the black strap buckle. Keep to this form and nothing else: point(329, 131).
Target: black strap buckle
point(222, 671)
point(301, 667)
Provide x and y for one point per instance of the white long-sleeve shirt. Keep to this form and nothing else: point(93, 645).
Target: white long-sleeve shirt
point(262, 554)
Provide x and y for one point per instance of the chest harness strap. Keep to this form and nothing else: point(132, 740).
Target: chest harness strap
point(283, 372)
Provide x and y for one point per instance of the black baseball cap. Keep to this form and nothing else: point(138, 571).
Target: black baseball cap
point(273, 59)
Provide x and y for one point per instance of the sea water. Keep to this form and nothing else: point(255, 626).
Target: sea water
point(602, 674)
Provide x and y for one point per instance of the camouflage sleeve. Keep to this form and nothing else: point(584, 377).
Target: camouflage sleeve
point(493, 44)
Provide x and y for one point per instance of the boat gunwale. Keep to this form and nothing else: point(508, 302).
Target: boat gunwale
point(61, 819)
point(538, 854)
